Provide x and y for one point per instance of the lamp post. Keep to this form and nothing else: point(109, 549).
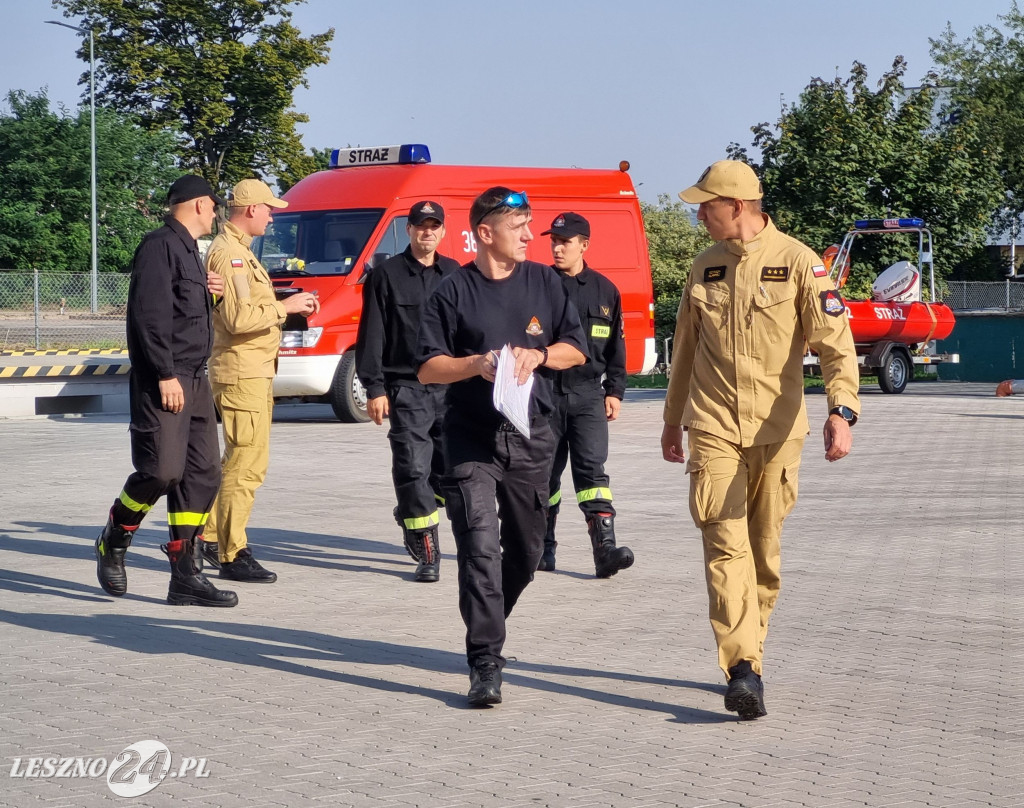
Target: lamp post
point(92, 149)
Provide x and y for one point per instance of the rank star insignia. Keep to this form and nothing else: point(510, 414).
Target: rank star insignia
point(534, 329)
point(777, 274)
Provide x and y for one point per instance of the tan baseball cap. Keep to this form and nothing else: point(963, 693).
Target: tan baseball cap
point(254, 192)
point(729, 178)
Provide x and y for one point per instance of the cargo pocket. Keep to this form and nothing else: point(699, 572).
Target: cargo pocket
point(788, 489)
point(702, 491)
point(240, 414)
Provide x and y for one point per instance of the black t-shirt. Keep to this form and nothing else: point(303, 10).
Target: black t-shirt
point(471, 314)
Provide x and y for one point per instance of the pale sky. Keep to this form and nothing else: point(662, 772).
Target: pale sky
point(665, 84)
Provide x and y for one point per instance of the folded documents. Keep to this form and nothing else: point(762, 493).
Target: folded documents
point(512, 399)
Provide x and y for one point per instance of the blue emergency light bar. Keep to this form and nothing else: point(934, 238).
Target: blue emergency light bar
point(864, 224)
point(405, 154)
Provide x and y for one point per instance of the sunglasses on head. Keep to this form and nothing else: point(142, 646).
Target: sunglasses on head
point(516, 199)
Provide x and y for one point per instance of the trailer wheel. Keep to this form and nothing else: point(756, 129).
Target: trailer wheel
point(895, 373)
point(347, 395)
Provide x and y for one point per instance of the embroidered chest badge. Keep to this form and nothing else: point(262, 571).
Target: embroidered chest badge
point(534, 329)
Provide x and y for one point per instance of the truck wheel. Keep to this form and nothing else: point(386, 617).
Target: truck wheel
point(895, 373)
point(347, 395)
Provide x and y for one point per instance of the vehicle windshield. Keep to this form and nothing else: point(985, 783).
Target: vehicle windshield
point(323, 242)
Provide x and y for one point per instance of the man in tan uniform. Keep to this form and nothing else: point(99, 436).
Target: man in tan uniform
point(246, 332)
point(751, 302)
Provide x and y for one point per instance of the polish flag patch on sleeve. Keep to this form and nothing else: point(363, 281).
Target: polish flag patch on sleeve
point(237, 262)
point(819, 270)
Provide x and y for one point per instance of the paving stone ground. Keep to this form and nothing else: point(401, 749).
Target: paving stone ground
point(892, 668)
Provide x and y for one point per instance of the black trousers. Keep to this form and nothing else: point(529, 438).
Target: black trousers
point(580, 428)
point(417, 456)
point(498, 549)
point(176, 454)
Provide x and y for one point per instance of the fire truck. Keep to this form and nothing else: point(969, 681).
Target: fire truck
point(895, 329)
point(343, 221)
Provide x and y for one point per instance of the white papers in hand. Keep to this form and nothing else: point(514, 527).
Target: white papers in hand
point(512, 399)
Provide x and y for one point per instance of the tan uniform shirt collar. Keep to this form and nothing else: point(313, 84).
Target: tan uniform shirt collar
point(744, 248)
point(232, 230)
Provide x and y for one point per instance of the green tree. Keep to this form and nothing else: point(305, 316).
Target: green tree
point(303, 166)
point(222, 73)
point(985, 76)
point(673, 240)
point(845, 151)
point(45, 208)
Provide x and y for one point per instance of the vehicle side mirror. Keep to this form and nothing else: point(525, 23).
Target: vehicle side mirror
point(375, 261)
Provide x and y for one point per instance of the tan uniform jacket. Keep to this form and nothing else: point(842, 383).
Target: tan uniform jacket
point(737, 356)
point(247, 321)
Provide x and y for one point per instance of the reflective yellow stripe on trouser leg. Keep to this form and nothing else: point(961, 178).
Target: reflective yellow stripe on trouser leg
point(421, 522)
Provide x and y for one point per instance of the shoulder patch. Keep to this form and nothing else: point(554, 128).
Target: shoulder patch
point(777, 274)
point(819, 270)
point(831, 303)
point(714, 274)
point(237, 262)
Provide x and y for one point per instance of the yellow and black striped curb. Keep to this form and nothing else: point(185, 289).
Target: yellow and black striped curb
point(54, 371)
point(83, 352)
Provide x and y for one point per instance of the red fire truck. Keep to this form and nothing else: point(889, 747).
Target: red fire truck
point(341, 222)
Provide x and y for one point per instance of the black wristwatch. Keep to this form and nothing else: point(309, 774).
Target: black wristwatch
point(845, 413)
point(543, 361)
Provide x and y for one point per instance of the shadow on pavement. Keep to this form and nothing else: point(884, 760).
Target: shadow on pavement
point(294, 650)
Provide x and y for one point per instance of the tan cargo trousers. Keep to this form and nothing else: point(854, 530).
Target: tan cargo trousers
point(739, 499)
point(246, 409)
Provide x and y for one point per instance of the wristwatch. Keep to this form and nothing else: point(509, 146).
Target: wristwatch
point(845, 413)
point(543, 361)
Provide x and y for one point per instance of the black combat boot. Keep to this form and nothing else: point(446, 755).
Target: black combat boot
point(189, 587)
point(247, 569)
point(111, 546)
point(427, 552)
point(547, 561)
point(608, 559)
point(484, 684)
point(745, 694)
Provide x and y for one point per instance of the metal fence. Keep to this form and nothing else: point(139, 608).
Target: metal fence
point(976, 295)
point(48, 311)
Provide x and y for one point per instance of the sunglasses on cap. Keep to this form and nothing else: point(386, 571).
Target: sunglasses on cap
point(515, 200)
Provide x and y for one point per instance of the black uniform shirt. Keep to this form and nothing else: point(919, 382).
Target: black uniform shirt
point(168, 316)
point(600, 308)
point(471, 314)
point(393, 297)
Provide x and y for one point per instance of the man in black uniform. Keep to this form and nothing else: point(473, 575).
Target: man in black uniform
point(583, 403)
point(393, 295)
point(497, 300)
point(173, 425)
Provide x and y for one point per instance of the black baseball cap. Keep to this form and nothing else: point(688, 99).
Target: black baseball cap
point(424, 210)
point(189, 187)
point(568, 225)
